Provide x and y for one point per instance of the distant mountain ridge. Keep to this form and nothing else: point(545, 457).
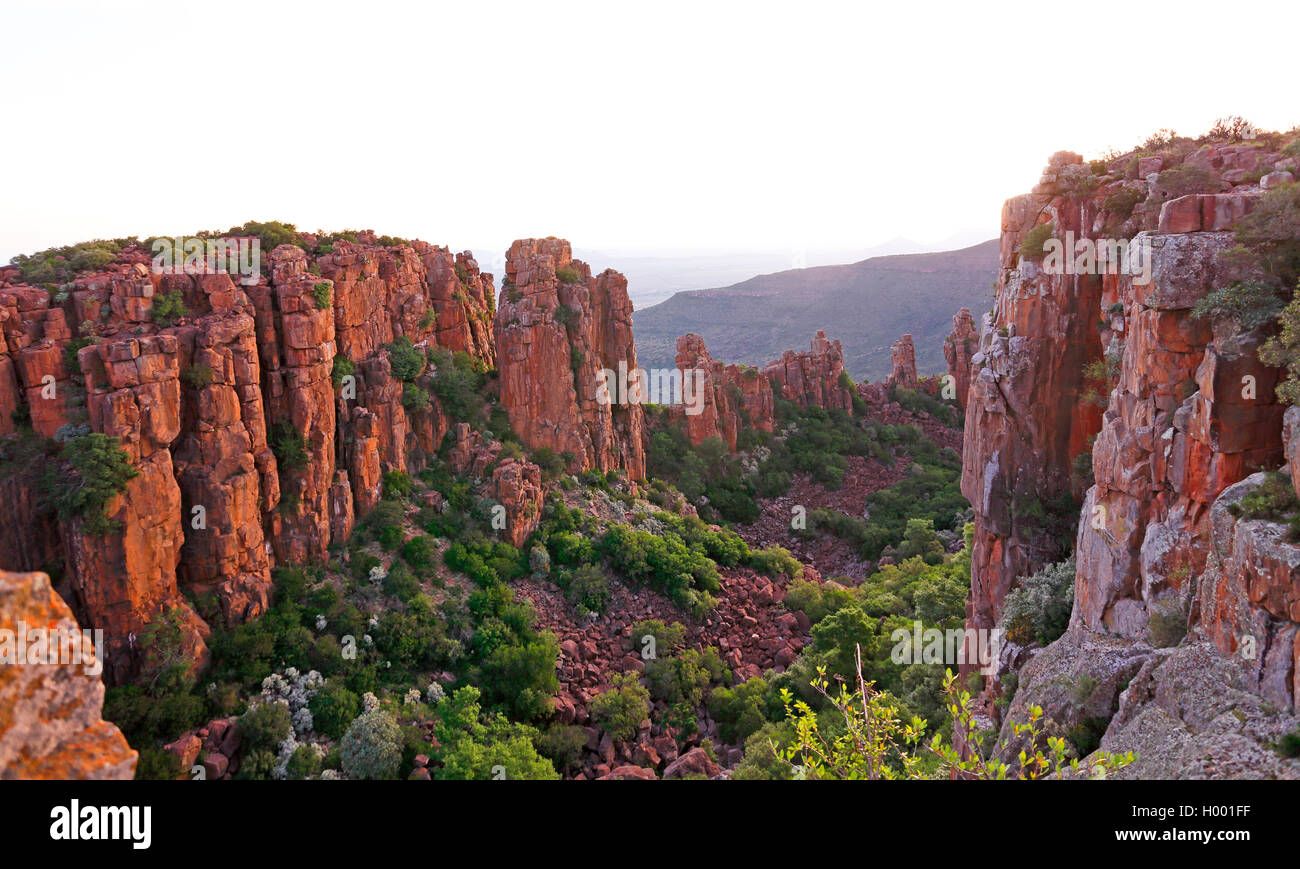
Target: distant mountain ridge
point(866, 305)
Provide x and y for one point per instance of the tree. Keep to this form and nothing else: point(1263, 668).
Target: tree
point(623, 706)
point(372, 746)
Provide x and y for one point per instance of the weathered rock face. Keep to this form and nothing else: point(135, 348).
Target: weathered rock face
point(958, 348)
point(50, 725)
point(517, 486)
point(226, 471)
point(902, 363)
point(1193, 411)
point(1190, 415)
point(812, 378)
point(557, 327)
point(1247, 599)
point(734, 397)
point(121, 580)
point(197, 404)
point(1025, 420)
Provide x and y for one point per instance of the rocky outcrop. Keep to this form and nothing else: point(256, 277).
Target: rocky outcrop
point(50, 725)
point(202, 400)
point(902, 364)
point(517, 486)
point(1185, 606)
point(813, 378)
point(557, 328)
point(734, 397)
point(958, 348)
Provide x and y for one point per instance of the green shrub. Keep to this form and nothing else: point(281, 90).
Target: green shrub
point(1039, 609)
point(289, 446)
point(322, 293)
point(567, 275)
point(168, 308)
point(621, 708)
point(1032, 247)
point(421, 553)
point(1252, 304)
point(343, 367)
point(333, 707)
point(406, 361)
point(1167, 623)
point(587, 588)
point(197, 376)
point(95, 471)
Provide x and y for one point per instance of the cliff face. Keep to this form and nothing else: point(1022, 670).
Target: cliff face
point(557, 326)
point(812, 378)
point(49, 711)
point(199, 402)
point(1025, 422)
point(1177, 597)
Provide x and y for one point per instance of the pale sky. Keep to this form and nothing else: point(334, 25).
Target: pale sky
point(658, 127)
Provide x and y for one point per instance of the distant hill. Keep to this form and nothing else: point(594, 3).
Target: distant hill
point(866, 305)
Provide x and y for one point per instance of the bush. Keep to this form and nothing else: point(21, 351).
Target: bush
point(333, 707)
point(587, 587)
point(322, 293)
point(775, 561)
point(343, 366)
point(197, 376)
point(397, 484)
point(666, 637)
point(1039, 610)
point(739, 711)
point(372, 746)
point(97, 470)
point(264, 727)
point(289, 446)
point(1167, 623)
point(406, 361)
point(1252, 304)
point(621, 709)
point(168, 308)
point(1032, 247)
point(567, 275)
point(421, 553)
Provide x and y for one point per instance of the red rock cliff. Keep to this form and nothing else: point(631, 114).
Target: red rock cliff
point(557, 327)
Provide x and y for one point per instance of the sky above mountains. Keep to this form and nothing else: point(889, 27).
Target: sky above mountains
point(804, 131)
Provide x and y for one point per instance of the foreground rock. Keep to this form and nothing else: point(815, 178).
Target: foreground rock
point(50, 725)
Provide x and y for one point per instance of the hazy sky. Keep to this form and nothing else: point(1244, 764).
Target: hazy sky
point(657, 127)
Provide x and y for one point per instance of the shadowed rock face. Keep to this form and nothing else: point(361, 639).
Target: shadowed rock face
point(50, 727)
point(557, 327)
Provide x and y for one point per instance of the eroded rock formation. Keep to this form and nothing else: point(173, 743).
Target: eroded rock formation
point(733, 397)
point(813, 378)
point(958, 348)
point(202, 399)
point(557, 328)
point(902, 364)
